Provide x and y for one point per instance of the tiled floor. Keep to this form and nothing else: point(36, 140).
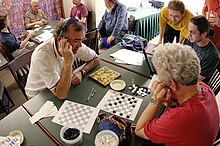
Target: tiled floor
point(13, 89)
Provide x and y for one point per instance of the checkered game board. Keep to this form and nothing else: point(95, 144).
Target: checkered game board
point(123, 105)
point(74, 113)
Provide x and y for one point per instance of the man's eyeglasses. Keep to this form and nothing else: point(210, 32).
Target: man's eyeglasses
point(65, 26)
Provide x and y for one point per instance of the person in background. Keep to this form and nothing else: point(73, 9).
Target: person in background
point(7, 37)
point(80, 12)
point(211, 10)
point(52, 62)
point(35, 17)
point(195, 119)
point(208, 54)
point(174, 20)
point(114, 23)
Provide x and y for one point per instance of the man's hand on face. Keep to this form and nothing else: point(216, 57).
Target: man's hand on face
point(161, 93)
point(66, 51)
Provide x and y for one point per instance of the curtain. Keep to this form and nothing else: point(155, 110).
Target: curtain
point(17, 8)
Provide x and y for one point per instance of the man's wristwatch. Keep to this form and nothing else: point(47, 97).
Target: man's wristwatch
point(83, 72)
point(153, 100)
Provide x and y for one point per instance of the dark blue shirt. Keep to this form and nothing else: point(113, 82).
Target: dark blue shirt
point(208, 56)
point(10, 40)
point(115, 21)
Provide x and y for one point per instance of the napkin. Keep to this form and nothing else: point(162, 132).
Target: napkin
point(47, 110)
point(9, 141)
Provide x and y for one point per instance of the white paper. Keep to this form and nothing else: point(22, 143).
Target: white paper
point(47, 110)
point(48, 27)
point(9, 141)
point(129, 57)
point(44, 36)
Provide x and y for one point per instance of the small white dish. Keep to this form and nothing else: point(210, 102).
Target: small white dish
point(118, 85)
point(75, 142)
point(107, 137)
point(17, 133)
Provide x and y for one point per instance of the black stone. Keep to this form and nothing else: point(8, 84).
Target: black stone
point(71, 134)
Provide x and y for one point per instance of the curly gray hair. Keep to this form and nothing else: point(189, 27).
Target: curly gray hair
point(177, 62)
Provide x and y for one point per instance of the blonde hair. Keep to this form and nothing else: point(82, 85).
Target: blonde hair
point(177, 5)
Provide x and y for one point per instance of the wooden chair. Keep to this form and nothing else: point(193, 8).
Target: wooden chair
point(214, 82)
point(217, 140)
point(92, 40)
point(89, 21)
point(8, 52)
point(19, 68)
point(5, 99)
point(131, 24)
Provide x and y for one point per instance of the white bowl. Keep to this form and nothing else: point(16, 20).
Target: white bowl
point(117, 85)
point(17, 133)
point(74, 142)
point(102, 136)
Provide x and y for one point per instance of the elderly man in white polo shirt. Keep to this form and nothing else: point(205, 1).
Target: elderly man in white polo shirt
point(52, 61)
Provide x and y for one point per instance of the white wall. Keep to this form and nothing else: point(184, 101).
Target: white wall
point(98, 6)
point(68, 4)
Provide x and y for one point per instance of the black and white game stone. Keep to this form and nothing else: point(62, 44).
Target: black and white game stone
point(120, 104)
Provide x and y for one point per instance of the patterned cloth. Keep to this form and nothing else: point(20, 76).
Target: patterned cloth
point(16, 10)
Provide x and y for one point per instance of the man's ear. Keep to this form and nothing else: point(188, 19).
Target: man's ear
point(59, 38)
point(173, 85)
point(204, 34)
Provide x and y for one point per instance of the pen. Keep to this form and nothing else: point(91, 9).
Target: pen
point(91, 94)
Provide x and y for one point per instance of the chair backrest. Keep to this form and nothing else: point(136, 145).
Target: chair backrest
point(131, 24)
point(214, 82)
point(8, 52)
point(19, 68)
point(89, 21)
point(92, 40)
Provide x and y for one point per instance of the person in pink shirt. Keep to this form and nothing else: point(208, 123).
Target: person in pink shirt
point(194, 121)
point(80, 12)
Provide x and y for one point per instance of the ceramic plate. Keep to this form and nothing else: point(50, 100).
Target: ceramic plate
point(17, 133)
point(118, 85)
